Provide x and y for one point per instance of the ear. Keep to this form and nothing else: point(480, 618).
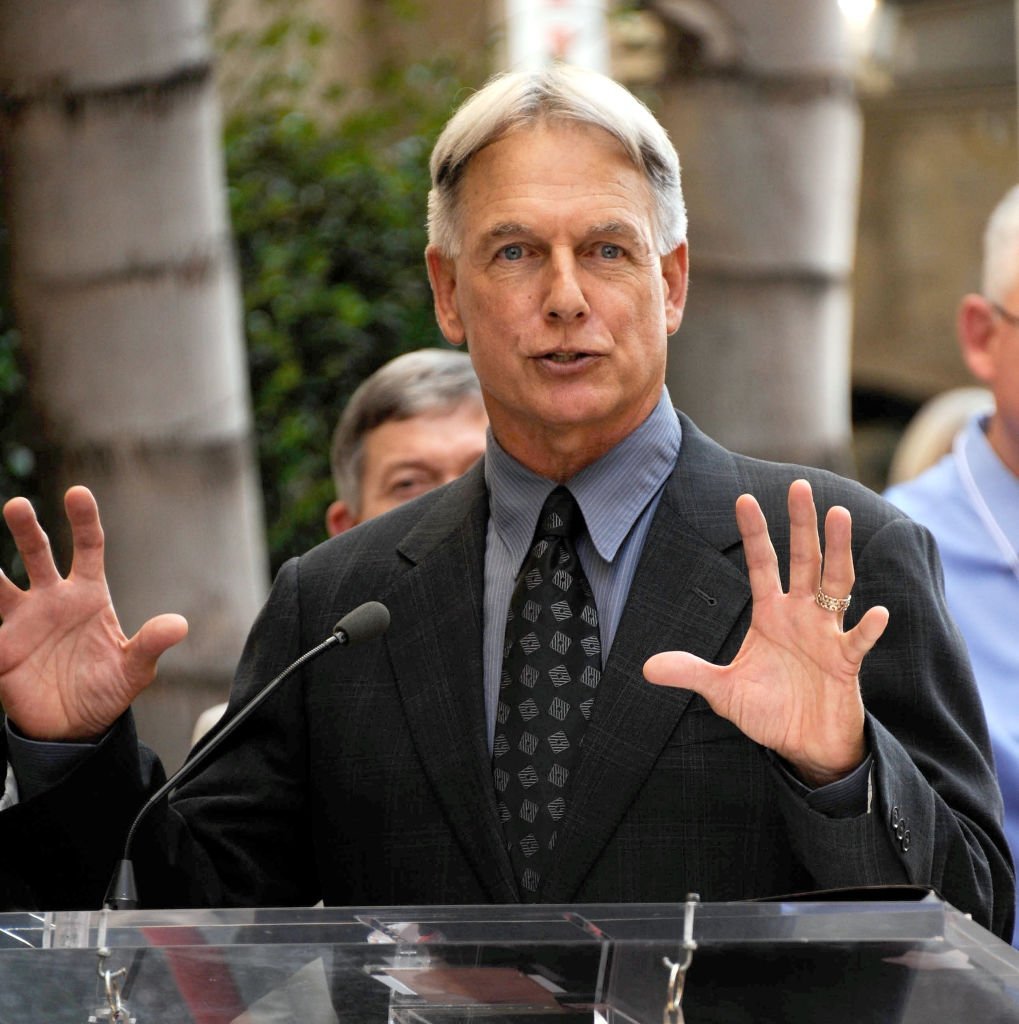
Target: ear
point(977, 329)
point(675, 275)
point(442, 275)
point(339, 518)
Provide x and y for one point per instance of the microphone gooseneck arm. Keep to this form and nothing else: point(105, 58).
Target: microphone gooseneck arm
point(365, 622)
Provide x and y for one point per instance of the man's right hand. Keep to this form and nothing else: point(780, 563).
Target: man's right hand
point(67, 671)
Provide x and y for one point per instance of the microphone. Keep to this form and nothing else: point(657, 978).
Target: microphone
point(365, 622)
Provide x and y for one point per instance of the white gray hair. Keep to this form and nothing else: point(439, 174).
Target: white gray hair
point(561, 92)
point(1001, 248)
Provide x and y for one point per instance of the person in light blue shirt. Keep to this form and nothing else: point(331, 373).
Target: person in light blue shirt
point(969, 500)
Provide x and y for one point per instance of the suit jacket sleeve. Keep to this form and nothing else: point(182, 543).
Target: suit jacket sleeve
point(935, 810)
point(235, 838)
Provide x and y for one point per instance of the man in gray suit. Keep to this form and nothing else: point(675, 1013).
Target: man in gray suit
point(794, 740)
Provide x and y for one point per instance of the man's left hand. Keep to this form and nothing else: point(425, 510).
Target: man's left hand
point(794, 684)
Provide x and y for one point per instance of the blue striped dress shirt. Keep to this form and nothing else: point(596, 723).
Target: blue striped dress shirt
point(618, 495)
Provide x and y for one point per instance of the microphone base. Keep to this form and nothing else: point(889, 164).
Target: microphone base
point(123, 893)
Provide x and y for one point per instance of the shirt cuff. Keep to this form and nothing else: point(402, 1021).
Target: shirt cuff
point(849, 797)
point(37, 765)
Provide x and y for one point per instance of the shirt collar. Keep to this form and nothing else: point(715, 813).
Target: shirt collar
point(612, 492)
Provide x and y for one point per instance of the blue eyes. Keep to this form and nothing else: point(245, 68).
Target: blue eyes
point(606, 251)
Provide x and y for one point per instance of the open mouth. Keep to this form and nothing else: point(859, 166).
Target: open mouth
point(564, 357)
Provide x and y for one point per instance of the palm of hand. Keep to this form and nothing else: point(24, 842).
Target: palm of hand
point(794, 684)
point(67, 671)
point(61, 649)
point(793, 688)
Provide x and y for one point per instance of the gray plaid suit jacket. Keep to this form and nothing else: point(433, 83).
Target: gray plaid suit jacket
point(367, 779)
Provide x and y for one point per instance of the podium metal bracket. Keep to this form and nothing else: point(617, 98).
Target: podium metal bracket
point(673, 1013)
point(114, 1011)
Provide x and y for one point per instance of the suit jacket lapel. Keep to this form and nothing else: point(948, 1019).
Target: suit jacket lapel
point(438, 665)
point(686, 595)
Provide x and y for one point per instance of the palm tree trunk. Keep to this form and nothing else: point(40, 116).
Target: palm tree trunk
point(127, 300)
point(759, 98)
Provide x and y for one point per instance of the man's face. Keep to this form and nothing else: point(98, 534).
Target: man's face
point(1004, 381)
point(405, 458)
point(559, 293)
point(990, 346)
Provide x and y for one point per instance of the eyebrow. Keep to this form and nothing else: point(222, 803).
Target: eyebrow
point(613, 227)
point(609, 227)
point(407, 462)
point(509, 228)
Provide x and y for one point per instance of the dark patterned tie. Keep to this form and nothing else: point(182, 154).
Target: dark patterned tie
point(551, 668)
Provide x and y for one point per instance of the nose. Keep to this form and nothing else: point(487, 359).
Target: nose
point(565, 301)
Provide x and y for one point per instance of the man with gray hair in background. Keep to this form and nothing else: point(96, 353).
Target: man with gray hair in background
point(414, 424)
point(813, 723)
point(969, 500)
point(417, 422)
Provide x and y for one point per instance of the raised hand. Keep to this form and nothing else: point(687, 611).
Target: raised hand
point(67, 671)
point(794, 684)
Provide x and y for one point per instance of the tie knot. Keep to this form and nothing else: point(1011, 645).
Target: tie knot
point(560, 515)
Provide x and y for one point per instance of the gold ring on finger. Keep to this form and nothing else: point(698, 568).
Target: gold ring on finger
point(831, 604)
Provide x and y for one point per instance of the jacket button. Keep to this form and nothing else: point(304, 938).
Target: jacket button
point(900, 828)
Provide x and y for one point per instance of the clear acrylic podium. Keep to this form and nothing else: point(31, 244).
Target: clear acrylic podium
point(860, 961)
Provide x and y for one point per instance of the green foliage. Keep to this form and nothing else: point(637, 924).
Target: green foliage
point(327, 194)
point(329, 216)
